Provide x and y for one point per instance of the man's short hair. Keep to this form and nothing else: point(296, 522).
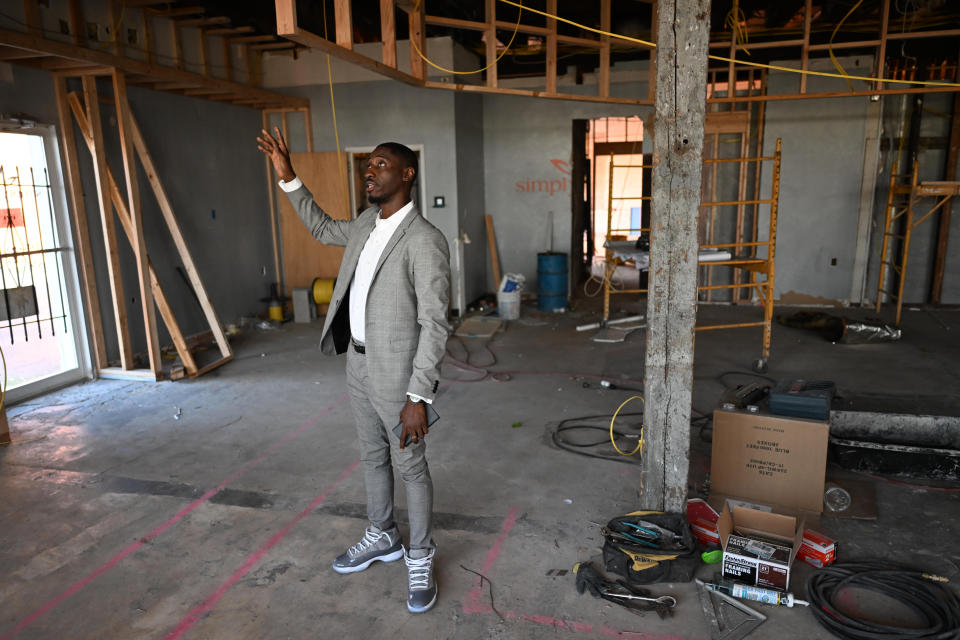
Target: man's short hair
point(403, 153)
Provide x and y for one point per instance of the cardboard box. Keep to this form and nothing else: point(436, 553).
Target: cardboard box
point(781, 532)
point(817, 549)
point(772, 460)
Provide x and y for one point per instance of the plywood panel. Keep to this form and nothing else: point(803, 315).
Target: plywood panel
point(303, 257)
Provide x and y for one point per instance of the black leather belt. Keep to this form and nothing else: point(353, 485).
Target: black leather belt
point(359, 348)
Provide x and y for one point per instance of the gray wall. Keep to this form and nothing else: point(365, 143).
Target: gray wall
point(207, 159)
point(470, 188)
point(520, 138)
point(823, 146)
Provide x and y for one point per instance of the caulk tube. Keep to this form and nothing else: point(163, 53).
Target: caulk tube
point(767, 596)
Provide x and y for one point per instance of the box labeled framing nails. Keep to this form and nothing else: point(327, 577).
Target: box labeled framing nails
point(763, 565)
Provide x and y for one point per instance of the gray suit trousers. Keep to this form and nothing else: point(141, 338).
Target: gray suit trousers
point(378, 447)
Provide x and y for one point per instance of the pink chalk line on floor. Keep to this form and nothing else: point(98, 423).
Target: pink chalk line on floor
point(207, 605)
point(180, 515)
point(474, 604)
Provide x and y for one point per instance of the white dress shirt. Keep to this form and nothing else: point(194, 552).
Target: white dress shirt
point(363, 275)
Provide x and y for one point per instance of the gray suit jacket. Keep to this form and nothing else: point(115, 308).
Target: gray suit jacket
point(406, 323)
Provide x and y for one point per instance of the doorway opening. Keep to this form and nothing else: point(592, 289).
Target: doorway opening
point(41, 330)
point(623, 198)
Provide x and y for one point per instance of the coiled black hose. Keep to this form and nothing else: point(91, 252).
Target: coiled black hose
point(935, 604)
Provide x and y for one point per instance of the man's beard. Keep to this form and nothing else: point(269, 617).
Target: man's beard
point(376, 199)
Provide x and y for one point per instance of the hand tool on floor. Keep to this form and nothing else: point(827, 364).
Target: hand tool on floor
point(729, 619)
point(634, 599)
point(667, 601)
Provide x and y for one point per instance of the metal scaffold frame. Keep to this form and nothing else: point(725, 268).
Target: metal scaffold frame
point(746, 260)
point(902, 213)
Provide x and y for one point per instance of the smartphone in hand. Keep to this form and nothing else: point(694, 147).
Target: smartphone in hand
point(432, 417)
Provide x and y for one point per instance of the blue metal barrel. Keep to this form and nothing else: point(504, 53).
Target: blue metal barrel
point(551, 281)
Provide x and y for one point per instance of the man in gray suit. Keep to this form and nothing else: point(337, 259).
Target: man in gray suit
point(389, 314)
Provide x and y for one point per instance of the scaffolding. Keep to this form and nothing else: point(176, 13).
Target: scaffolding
point(898, 225)
point(745, 254)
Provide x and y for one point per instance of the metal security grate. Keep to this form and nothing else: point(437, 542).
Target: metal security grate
point(32, 300)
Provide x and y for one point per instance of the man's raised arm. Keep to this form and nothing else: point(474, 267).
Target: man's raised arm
point(324, 228)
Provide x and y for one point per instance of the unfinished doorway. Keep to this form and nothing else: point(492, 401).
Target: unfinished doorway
point(41, 330)
point(625, 198)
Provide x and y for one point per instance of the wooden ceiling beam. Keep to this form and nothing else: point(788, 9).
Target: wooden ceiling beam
point(273, 46)
point(253, 39)
point(287, 27)
point(228, 31)
point(136, 68)
point(203, 22)
point(8, 54)
point(176, 12)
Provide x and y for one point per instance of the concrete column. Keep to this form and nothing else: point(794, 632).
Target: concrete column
point(683, 31)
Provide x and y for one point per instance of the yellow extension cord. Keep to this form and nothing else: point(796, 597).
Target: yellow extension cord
point(615, 414)
point(466, 73)
point(653, 45)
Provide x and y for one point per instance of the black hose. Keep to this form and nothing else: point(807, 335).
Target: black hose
point(934, 603)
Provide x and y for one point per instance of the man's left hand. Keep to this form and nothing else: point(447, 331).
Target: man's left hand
point(414, 419)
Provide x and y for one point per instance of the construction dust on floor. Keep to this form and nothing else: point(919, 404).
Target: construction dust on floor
point(213, 507)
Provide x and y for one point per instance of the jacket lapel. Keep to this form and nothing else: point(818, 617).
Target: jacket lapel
point(395, 238)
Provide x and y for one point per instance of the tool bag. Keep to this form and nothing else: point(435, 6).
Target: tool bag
point(661, 560)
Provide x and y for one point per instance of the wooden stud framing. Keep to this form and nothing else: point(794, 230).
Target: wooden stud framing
point(654, 31)
point(136, 220)
point(418, 67)
point(78, 31)
point(552, 48)
point(881, 62)
point(106, 220)
point(227, 57)
point(943, 228)
point(388, 32)
point(202, 51)
point(805, 51)
point(308, 129)
point(604, 70)
point(228, 31)
point(344, 21)
point(203, 22)
point(490, 34)
point(166, 313)
point(31, 12)
point(175, 46)
point(116, 27)
point(178, 238)
point(671, 305)
point(492, 247)
point(79, 214)
point(148, 44)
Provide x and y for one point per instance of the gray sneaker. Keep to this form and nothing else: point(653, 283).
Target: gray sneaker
point(422, 588)
point(375, 545)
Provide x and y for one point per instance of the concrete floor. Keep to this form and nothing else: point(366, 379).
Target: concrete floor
point(125, 522)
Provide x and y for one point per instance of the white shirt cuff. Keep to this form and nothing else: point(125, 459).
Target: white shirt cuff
point(417, 398)
point(293, 185)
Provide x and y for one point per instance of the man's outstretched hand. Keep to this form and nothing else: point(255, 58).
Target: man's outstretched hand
point(414, 419)
point(276, 150)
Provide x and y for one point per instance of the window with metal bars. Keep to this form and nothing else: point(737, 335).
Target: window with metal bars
point(34, 311)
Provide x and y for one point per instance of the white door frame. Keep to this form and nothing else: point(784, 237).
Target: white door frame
point(71, 280)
